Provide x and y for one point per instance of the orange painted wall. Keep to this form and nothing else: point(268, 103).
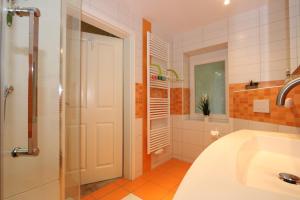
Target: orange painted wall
point(146, 157)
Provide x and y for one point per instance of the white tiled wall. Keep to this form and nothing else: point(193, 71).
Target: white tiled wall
point(258, 42)
point(158, 159)
point(191, 137)
point(294, 14)
point(118, 13)
point(239, 124)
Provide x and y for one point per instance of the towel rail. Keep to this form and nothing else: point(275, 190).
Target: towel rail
point(158, 109)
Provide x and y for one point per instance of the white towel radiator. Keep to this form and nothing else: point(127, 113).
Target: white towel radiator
point(158, 108)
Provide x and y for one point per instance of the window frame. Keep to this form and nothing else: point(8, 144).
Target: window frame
point(215, 56)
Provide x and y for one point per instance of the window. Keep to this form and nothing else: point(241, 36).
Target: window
point(208, 75)
point(210, 81)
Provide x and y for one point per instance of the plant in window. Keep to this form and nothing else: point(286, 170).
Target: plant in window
point(204, 105)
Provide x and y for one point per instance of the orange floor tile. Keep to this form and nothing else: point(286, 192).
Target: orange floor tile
point(159, 184)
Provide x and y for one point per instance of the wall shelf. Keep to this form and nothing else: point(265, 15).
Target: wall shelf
point(262, 88)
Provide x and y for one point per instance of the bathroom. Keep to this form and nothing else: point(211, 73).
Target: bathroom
point(131, 99)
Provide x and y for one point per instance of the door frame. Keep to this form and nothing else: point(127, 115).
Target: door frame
point(129, 38)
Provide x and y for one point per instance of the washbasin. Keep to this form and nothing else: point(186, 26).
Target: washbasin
point(245, 165)
point(262, 158)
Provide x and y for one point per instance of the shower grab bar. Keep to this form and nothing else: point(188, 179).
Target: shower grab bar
point(33, 14)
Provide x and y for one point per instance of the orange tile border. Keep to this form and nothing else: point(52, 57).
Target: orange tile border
point(158, 93)
point(180, 101)
point(241, 104)
point(139, 100)
point(297, 71)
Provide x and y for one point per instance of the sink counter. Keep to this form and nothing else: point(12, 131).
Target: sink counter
point(244, 165)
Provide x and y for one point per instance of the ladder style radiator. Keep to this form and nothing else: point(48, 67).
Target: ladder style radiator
point(158, 94)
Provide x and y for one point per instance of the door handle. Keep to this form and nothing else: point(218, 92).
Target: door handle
point(33, 14)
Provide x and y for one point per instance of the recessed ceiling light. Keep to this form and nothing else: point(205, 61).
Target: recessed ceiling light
point(226, 2)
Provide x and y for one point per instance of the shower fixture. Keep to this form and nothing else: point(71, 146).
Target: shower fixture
point(8, 91)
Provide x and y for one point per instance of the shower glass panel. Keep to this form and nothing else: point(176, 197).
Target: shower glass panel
point(71, 100)
point(40, 77)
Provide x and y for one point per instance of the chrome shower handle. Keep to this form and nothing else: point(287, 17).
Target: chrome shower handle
point(33, 14)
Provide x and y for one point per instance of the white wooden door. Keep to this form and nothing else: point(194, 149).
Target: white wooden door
point(102, 108)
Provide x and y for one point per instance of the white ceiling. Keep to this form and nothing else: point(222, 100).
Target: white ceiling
point(183, 15)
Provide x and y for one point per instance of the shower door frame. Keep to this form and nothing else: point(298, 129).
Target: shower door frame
point(61, 67)
point(1, 100)
point(129, 53)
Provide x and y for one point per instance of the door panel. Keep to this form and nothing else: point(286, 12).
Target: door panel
point(103, 113)
point(105, 145)
point(105, 79)
point(83, 147)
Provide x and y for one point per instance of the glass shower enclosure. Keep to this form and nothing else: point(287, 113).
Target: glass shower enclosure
point(40, 99)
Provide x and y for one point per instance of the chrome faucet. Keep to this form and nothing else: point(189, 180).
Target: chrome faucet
point(280, 101)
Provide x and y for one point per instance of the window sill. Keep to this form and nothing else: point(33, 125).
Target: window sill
point(212, 119)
